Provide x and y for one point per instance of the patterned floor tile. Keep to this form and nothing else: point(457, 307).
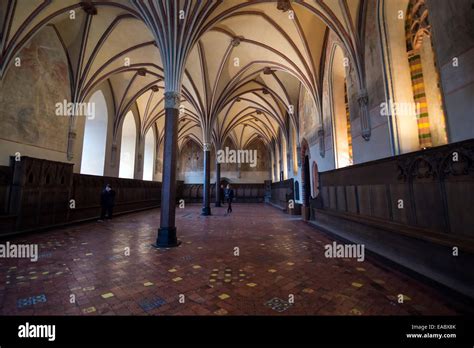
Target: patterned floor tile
point(113, 271)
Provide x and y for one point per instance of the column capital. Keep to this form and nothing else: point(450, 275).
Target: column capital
point(206, 146)
point(172, 100)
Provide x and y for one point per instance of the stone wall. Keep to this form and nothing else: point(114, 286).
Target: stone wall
point(453, 36)
point(28, 95)
point(191, 165)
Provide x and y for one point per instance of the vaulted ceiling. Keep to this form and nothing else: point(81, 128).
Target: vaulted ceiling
point(243, 62)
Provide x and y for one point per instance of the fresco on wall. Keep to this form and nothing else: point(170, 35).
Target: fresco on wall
point(191, 157)
point(28, 104)
point(228, 167)
point(307, 116)
point(263, 161)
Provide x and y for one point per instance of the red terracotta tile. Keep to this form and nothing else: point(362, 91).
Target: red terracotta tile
point(294, 253)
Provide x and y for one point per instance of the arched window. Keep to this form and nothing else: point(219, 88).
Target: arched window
point(410, 75)
point(191, 162)
point(149, 155)
point(340, 110)
point(127, 148)
point(297, 190)
point(95, 137)
point(424, 76)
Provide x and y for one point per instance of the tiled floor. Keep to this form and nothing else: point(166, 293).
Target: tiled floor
point(110, 268)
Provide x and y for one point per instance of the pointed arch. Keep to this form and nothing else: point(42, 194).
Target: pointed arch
point(128, 146)
point(95, 136)
point(340, 115)
point(149, 154)
point(305, 172)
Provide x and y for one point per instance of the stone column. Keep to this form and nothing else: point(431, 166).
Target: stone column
point(206, 192)
point(167, 232)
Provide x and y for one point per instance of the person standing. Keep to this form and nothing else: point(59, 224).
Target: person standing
point(107, 202)
point(229, 196)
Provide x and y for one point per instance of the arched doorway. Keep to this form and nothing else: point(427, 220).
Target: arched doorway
point(315, 180)
point(297, 190)
point(307, 186)
point(305, 178)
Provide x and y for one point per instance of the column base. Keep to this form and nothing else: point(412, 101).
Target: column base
point(167, 238)
point(206, 211)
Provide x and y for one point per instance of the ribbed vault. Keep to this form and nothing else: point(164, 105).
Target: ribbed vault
point(237, 64)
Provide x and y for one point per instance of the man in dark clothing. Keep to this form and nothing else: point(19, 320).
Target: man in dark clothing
point(107, 202)
point(229, 196)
